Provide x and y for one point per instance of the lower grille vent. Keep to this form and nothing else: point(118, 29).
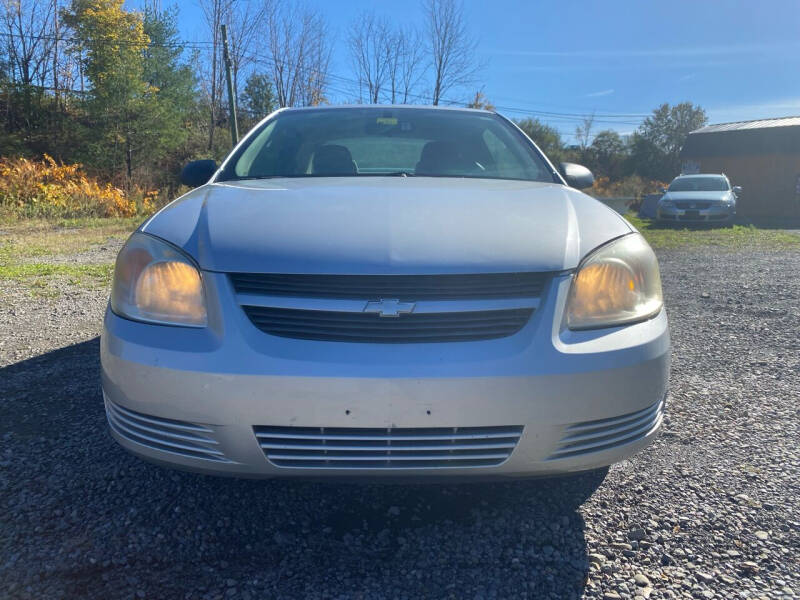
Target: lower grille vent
point(393, 448)
point(404, 287)
point(702, 205)
point(602, 434)
point(167, 435)
point(371, 328)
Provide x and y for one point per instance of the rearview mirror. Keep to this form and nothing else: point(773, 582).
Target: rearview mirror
point(576, 176)
point(737, 189)
point(198, 172)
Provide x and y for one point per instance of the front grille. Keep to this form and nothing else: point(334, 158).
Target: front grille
point(387, 448)
point(371, 328)
point(167, 435)
point(602, 434)
point(402, 287)
point(692, 204)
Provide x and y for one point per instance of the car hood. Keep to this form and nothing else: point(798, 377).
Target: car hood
point(697, 195)
point(376, 225)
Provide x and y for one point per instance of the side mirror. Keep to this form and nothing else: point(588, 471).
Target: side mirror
point(198, 172)
point(663, 190)
point(576, 176)
point(737, 189)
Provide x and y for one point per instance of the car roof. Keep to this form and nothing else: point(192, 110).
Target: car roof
point(701, 175)
point(379, 107)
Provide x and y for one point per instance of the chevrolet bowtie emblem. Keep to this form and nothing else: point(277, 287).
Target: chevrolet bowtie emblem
point(389, 308)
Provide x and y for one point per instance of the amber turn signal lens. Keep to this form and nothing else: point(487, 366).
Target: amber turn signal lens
point(166, 289)
point(604, 287)
point(156, 282)
point(617, 284)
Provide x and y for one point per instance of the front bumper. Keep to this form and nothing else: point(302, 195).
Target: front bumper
point(716, 213)
point(201, 399)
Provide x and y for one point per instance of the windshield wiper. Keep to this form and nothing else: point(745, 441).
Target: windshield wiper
point(312, 175)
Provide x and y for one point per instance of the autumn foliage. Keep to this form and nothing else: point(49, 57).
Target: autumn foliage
point(47, 188)
point(632, 186)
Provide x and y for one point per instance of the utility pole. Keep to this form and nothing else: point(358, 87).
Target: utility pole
point(231, 97)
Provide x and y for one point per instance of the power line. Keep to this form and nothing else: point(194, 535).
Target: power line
point(551, 115)
point(581, 113)
point(180, 44)
point(565, 117)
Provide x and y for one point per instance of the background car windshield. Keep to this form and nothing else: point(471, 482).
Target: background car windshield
point(699, 184)
point(370, 142)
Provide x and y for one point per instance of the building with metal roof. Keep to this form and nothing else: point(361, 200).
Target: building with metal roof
point(763, 157)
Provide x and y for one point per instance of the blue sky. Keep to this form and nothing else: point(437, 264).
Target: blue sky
point(738, 59)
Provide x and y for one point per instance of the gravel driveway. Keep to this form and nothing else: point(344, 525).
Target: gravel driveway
point(709, 511)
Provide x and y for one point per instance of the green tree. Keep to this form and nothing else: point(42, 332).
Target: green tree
point(607, 154)
point(111, 42)
point(656, 145)
point(258, 98)
point(166, 128)
point(546, 137)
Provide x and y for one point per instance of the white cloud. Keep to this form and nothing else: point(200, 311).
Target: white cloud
point(673, 51)
point(786, 107)
point(600, 93)
point(675, 63)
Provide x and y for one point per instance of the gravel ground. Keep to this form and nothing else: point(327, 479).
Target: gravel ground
point(710, 510)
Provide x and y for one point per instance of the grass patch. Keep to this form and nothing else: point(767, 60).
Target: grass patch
point(43, 255)
point(34, 239)
point(41, 277)
point(127, 224)
point(74, 272)
point(731, 237)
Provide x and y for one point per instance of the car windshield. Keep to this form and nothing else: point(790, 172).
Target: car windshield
point(699, 184)
point(353, 142)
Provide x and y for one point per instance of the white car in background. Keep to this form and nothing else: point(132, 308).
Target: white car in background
point(385, 291)
point(698, 198)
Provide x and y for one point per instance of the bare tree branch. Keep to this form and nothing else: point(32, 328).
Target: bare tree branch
point(29, 26)
point(373, 52)
point(583, 134)
point(300, 55)
point(215, 12)
point(411, 63)
point(245, 20)
point(451, 48)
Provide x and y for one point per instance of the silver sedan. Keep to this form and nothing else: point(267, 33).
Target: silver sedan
point(385, 291)
point(698, 198)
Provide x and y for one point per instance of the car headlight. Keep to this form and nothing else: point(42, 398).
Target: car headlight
point(667, 204)
point(157, 283)
point(617, 284)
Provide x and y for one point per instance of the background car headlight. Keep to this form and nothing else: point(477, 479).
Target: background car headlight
point(667, 204)
point(618, 283)
point(155, 282)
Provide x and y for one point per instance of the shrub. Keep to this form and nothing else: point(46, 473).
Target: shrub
point(47, 188)
point(632, 186)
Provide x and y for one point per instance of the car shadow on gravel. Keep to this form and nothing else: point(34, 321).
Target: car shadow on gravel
point(83, 518)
